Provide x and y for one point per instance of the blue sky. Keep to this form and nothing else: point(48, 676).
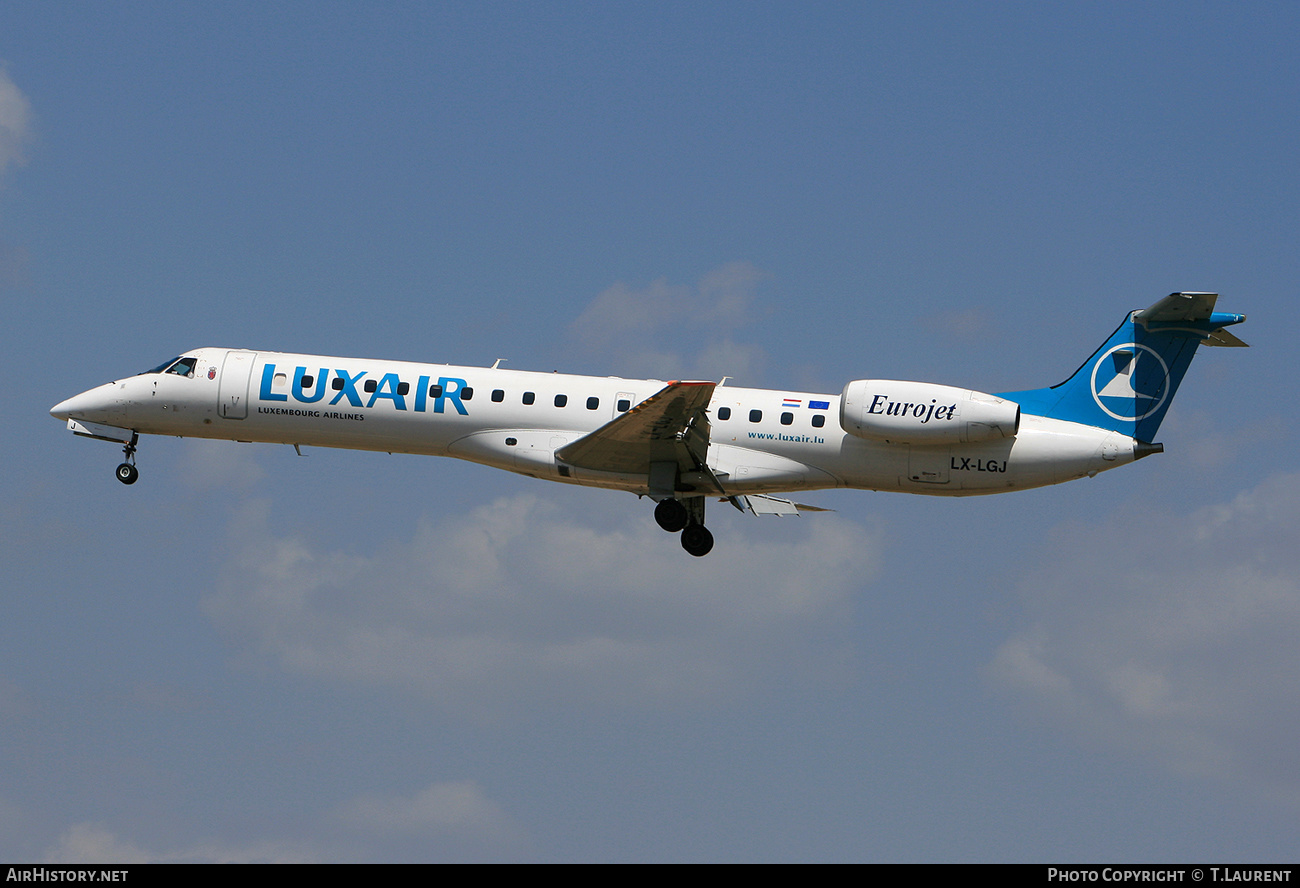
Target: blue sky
point(349, 656)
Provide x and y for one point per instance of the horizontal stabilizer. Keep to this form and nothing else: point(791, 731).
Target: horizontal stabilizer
point(1179, 307)
point(1224, 338)
point(1192, 312)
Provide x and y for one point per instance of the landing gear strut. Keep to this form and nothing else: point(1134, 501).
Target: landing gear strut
point(127, 473)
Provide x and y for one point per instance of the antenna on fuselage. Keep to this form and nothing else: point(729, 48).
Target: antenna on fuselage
point(496, 365)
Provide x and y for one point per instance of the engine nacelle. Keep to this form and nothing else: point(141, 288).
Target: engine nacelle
point(924, 413)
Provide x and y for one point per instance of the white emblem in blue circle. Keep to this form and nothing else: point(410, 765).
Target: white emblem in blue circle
point(1124, 393)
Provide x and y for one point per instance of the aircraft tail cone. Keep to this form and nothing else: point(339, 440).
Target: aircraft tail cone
point(1141, 449)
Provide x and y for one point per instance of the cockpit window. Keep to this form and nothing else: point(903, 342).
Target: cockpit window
point(163, 366)
point(178, 365)
point(183, 367)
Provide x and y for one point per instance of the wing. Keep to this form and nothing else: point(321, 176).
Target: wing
point(669, 426)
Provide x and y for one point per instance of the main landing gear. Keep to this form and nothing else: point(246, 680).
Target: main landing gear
point(697, 540)
point(673, 516)
point(127, 473)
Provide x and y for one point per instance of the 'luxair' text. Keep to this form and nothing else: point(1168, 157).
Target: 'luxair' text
point(307, 389)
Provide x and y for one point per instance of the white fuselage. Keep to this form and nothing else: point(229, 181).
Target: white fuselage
point(761, 441)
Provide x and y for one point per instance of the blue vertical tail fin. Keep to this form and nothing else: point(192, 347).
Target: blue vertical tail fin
point(1128, 383)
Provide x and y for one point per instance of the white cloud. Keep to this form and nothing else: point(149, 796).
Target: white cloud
point(457, 811)
point(15, 122)
point(665, 331)
point(620, 311)
point(218, 465)
point(87, 842)
point(522, 603)
point(459, 807)
point(94, 843)
point(971, 324)
point(15, 132)
point(1210, 440)
point(1174, 635)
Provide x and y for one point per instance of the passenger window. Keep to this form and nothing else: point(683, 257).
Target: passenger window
point(787, 418)
point(756, 416)
point(435, 391)
point(529, 397)
point(498, 396)
point(624, 405)
point(337, 383)
point(466, 393)
point(308, 382)
point(593, 403)
point(370, 386)
point(724, 413)
point(561, 400)
point(402, 387)
point(818, 421)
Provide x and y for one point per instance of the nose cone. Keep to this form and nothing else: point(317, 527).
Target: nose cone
point(63, 409)
point(97, 405)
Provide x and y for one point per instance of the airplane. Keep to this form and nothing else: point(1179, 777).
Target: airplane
point(682, 442)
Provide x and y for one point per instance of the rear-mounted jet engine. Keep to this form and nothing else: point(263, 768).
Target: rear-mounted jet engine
point(924, 413)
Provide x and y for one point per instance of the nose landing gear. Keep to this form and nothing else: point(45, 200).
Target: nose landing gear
point(127, 473)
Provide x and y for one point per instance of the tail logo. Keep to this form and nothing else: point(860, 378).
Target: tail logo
point(1129, 382)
